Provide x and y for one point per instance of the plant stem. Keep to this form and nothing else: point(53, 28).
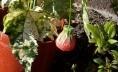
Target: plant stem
point(85, 12)
point(34, 3)
point(70, 13)
point(4, 30)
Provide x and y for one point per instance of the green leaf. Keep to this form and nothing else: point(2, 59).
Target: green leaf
point(101, 66)
point(86, 18)
point(112, 41)
point(114, 62)
point(114, 66)
point(109, 28)
point(112, 31)
point(13, 23)
point(100, 70)
point(16, 5)
point(93, 30)
point(85, 12)
point(99, 43)
point(96, 35)
point(115, 54)
point(106, 26)
point(88, 34)
point(98, 61)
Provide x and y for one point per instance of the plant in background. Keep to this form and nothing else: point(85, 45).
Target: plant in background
point(107, 64)
point(103, 38)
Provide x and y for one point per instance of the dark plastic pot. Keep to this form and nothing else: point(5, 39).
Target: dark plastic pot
point(3, 12)
point(44, 60)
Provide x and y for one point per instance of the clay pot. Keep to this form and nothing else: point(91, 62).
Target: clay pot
point(8, 61)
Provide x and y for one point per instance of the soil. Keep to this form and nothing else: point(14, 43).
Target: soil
point(108, 5)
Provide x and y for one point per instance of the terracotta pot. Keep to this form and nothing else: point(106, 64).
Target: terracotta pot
point(8, 61)
point(45, 58)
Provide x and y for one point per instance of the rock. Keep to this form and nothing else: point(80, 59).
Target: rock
point(103, 7)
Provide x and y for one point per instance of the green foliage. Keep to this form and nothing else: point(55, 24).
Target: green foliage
point(103, 38)
point(102, 35)
point(19, 11)
point(85, 17)
point(110, 29)
point(13, 23)
point(23, 13)
point(115, 55)
point(26, 52)
point(106, 65)
point(98, 61)
point(16, 5)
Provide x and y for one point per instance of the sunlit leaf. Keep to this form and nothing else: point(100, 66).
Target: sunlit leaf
point(112, 41)
point(13, 23)
point(114, 66)
point(53, 29)
point(115, 55)
point(30, 27)
point(101, 66)
point(109, 28)
point(114, 62)
point(100, 70)
point(98, 61)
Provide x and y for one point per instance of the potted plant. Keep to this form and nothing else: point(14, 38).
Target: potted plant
point(8, 62)
point(27, 26)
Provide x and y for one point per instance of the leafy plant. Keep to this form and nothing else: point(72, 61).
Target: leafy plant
point(27, 17)
point(25, 23)
point(103, 38)
point(102, 35)
point(108, 65)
